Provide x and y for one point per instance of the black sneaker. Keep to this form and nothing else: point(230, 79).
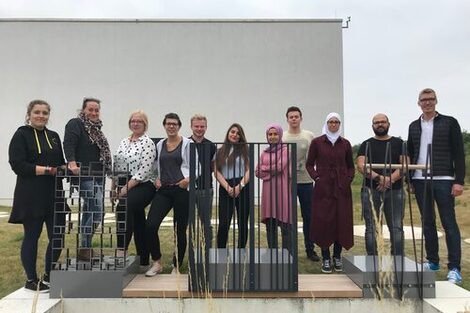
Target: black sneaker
point(46, 280)
point(338, 264)
point(326, 266)
point(36, 286)
point(313, 256)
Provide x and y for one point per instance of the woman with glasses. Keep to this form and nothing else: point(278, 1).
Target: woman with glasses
point(330, 164)
point(134, 156)
point(232, 173)
point(35, 153)
point(172, 180)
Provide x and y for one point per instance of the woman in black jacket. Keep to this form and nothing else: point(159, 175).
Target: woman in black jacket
point(35, 153)
point(88, 155)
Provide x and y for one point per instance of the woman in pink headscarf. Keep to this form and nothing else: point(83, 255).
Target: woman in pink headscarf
point(273, 169)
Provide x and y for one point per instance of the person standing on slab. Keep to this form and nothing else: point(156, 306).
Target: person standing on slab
point(441, 134)
point(303, 138)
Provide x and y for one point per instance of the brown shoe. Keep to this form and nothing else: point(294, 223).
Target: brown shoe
point(84, 255)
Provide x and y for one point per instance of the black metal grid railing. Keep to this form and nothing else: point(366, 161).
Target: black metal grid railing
point(255, 244)
point(86, 240)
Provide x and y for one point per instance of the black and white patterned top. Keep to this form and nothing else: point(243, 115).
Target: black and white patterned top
point(139, 155)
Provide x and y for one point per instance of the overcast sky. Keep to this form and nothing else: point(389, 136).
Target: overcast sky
point(392, 49)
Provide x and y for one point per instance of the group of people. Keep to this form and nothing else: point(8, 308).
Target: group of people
point(159, 176)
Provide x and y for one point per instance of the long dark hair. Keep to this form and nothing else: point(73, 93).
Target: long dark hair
point(241, 149)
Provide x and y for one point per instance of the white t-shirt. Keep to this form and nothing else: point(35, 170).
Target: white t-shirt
point(303, 140)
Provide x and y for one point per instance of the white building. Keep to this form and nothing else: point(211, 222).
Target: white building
point(245, 71)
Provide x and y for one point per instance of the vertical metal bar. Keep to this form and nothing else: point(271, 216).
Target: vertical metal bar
point(193, 279)
point(295, 270)
point(252, 216)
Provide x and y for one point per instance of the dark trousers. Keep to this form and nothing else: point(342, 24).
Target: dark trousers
point(204, 207)
point(337, 248)
point(441, 194)
point(166, 198)
point(391, 204)
point(132, 220)
point(272, 225)
point(29, 247)
point(226, 206)
point(305, 195)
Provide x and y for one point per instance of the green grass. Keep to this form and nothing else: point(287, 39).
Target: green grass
point(12, 275)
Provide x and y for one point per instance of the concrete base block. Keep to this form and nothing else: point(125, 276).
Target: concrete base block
point(385, 279)
point(92, 283)
point(229, 270)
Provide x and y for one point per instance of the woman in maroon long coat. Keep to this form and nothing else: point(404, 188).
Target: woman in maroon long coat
point(330, 164)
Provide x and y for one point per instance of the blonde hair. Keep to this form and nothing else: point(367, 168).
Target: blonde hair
point(198, 117)
point(142, 115)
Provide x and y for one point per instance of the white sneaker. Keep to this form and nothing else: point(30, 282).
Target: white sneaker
point(155, 269)
point(175, 271)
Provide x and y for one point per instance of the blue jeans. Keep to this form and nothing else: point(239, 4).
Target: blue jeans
point(305, 195)
point(91, 191)
point(441, 194)
point(391, 204)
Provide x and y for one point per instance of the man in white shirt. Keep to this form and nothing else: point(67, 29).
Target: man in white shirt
point(302, 138)
point(443, 134)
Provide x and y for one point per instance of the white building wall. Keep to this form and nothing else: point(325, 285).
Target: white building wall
point(245, 71)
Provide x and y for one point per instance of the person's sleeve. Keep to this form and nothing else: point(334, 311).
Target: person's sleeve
point(362, 150)
point(62, 160)
point(262, 170)
point(350, 162)
point(71, 138)
point(311, 160)
point(458, 152)
point(409, 144)
point(18, 156)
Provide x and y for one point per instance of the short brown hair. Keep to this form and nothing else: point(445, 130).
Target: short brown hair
point(293, 109)
point(173, 116)
point(90, 99)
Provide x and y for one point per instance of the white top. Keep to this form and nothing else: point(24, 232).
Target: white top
point(138, 155)
point(427, 130)
point(303, 140)
point(237, 170)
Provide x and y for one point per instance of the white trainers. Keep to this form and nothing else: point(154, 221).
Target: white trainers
point(175, 271)
point(155, 269)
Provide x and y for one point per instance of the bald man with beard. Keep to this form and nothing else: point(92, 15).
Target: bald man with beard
point(382, 186)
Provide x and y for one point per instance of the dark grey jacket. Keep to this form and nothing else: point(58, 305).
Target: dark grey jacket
point(448, 156)
point(77, 144)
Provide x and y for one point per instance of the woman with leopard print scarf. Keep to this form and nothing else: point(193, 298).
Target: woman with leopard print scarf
point(87, 152)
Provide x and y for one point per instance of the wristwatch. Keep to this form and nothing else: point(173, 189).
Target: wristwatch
point(242, 185)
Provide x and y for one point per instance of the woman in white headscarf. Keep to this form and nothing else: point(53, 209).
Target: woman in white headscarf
point(330, 164)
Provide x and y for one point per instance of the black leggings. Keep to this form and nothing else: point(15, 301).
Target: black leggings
point(226, 206)
point(138, 198)
point(271, 234)
point(29, 247)
point(165, 199)
point(337, 248)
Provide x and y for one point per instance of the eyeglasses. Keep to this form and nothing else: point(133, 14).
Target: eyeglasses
point(379, 122)
point(136, 122)
point(172, 124)
point(427, 99)
point(334, 122)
